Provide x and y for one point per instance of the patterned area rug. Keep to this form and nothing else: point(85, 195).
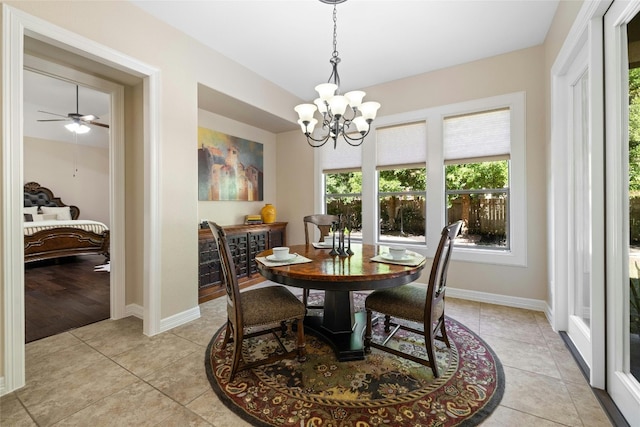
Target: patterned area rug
point(382, 390)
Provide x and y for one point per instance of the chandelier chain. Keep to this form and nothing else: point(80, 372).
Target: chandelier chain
point(335, 31)
point(335, 59)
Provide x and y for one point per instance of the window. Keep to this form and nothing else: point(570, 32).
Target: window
point(402, 183)
point(343, 196)
point(477, 147)
point(426, 168)
point(478, 194)
point(342, 178)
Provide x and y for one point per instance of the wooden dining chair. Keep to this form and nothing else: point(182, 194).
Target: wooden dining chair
point(323, 224)
point(415, 303)
point(321, 221)
point(251, 312)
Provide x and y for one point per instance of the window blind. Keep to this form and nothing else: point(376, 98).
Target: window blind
point(478, 136)
point(402, 145)
point(344, 158)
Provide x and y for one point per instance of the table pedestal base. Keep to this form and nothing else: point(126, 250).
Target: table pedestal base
point(339, 326)
point(347, 345)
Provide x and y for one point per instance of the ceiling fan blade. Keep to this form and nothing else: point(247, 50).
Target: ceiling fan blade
point(54, 114)
point(98, 124)
point(75, 117)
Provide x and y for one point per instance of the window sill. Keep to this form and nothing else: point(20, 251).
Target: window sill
point(489, 256)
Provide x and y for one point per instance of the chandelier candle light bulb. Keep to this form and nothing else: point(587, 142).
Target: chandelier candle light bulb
point(336, 119)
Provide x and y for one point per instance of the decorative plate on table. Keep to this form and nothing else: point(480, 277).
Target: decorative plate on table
point(405, 257)
point(288, 258)
point(324, 245)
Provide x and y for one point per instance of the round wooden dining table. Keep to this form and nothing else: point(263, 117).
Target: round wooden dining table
point(338, 276)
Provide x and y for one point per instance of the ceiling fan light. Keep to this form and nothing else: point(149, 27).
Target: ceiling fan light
point(77, 128)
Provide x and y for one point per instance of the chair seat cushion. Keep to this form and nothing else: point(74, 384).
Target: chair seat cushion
point(270, 304)
point(406, 302)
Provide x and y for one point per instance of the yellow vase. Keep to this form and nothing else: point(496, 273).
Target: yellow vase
point(268, 213)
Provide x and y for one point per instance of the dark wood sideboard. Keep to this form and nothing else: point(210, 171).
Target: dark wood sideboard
point(245, 241)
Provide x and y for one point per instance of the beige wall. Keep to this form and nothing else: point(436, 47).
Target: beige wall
point(134, 197)
point(78, 174)
point(295, 182)
point(229, 212)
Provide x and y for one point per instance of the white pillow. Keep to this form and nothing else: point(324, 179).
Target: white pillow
point(32, 210)
point(45, 217)
point(63, 213)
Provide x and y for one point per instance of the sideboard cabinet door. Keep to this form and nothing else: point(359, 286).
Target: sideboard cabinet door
point(245, 242)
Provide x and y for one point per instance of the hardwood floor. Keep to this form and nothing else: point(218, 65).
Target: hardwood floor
point(64, 294)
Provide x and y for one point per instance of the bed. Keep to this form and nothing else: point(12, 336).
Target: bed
point(52, 229)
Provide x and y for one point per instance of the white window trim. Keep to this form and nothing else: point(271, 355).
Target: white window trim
point(517, 254)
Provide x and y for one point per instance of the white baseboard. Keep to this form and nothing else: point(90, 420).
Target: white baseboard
point(2, 387)
point(134, 310)
point(548, 311)
point(509, 301)
point(169, 322)
point(180, 319)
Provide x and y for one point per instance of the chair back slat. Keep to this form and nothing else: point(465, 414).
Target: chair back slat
point(322, 221)
point(438, 276)
point(228, 270)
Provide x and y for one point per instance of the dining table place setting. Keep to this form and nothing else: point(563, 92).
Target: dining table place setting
point(326, 243)
point(281, 256)
point(400, 256)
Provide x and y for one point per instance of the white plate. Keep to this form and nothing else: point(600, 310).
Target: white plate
point(287, 259)
point(324, 244)
point(388, 257)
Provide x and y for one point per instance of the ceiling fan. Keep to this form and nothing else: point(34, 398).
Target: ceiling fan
point(78, 121)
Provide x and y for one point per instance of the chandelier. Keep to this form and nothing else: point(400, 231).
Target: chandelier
point(339, 112)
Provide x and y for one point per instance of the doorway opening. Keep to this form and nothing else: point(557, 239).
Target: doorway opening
point(65, 292)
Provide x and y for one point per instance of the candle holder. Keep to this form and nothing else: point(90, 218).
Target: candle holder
point(334, 228)
point(339, 248)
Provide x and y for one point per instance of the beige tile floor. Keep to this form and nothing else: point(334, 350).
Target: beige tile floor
point(110, 374)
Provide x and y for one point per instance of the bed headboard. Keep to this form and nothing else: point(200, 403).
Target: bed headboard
point(35, 195)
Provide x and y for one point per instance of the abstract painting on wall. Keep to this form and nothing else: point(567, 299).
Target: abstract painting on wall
point(229, 168)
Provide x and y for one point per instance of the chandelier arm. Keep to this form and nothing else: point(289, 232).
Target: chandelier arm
point(322, 141)
point(346, 139)
point(360, 138)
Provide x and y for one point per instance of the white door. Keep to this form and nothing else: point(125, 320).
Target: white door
point(577, 189)
point(622, 59)
point(580, 206)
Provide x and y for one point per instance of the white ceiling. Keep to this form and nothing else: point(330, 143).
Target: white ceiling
point(289, 42)
point(44, 93)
